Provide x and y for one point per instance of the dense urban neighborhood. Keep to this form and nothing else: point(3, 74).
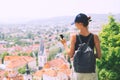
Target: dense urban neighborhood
point(34, 51)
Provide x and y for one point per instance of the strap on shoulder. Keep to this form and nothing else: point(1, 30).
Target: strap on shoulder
point(77, 36)
point(89, 39)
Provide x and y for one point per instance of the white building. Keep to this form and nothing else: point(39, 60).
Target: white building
point(42, 57)
point(27, 76)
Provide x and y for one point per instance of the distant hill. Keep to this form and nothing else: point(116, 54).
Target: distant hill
point(54, 20)
point(102, 18)
point(70, 19)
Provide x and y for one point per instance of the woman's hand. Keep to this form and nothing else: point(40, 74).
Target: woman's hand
point(70, 51)
point(63, 41)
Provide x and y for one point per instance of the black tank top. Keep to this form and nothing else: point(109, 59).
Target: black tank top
point(85, 40)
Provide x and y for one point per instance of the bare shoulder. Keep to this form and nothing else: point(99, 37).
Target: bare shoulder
point(73, 36)
point(95, 35)
point(96, 38)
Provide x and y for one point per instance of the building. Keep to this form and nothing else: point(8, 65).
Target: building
point(12, 75)
point(27, 76)
point(13, 63)
point(2, 74)
point(57, 69)
point(42, 57)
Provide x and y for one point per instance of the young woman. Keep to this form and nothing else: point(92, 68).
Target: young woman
point(82, 22)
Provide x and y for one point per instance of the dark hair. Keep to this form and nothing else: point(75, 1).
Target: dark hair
point(82, 18)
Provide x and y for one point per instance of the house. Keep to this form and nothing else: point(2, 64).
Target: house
point(16, 62)
point(57, 69)
point(8, 59)
point(3, 42)
point(2, 74)
point(31, 61)
point(50, 74)
point(12, 75)
point(38, 75)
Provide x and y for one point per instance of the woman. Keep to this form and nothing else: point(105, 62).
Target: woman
point(82, 22)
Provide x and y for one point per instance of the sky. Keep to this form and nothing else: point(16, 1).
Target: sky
point(12, 11)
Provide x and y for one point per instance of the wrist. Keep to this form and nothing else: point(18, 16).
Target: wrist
point(96, 55)
point(65, 44)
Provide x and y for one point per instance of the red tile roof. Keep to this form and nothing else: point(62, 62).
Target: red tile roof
point(39, 73)
point(17, 61)
point(54, 67)
point(51, 72)
point(56, 62)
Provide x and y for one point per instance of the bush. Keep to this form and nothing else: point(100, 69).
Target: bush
point(108, 66)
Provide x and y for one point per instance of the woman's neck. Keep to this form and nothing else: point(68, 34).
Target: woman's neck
point(84, 32)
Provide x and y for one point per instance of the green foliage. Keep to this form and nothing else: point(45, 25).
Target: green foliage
point(35, 55)
point(30, 35)
point(52, 53)
point(108, 66)
point(24, 54)
point(3, 56)
point(5, 74)
point(22, 70)
point(22, 43)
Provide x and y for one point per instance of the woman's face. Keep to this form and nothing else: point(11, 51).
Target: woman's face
point(78, 25)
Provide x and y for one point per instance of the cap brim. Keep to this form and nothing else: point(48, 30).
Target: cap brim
point(72, 23)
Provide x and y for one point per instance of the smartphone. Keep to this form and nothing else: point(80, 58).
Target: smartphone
point(61, 36)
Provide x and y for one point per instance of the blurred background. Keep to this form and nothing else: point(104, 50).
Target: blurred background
point(29, 37)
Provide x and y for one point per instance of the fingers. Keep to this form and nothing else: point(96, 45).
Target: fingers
point(63, 41)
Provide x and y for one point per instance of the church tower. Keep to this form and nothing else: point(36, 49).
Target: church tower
point(42, 57)
point(27, 76)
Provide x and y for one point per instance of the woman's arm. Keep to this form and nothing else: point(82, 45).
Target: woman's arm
point(97, 46)
point(70, 51)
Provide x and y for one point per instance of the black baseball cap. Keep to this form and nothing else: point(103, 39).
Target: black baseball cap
point(83, 18)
